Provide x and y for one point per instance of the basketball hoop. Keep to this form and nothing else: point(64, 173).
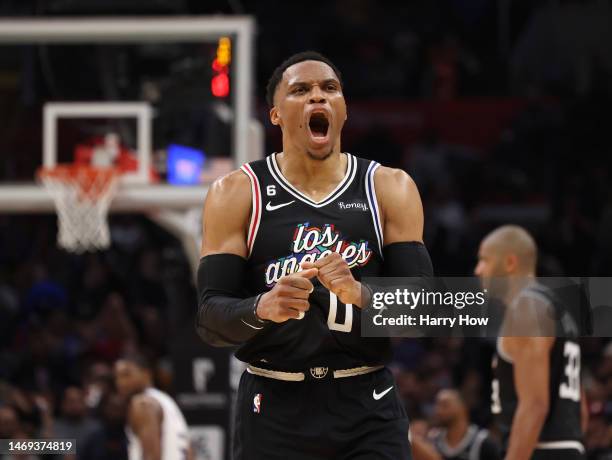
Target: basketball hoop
point(82, 195)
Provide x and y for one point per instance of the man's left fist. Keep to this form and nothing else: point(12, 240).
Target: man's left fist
point(335, 274)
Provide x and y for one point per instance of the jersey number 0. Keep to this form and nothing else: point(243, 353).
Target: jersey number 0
point(333, 312)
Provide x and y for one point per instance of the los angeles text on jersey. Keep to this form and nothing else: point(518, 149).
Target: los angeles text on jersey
point(311, 243)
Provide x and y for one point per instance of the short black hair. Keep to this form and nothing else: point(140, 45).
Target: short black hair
point(277, 75)
point(137, 358)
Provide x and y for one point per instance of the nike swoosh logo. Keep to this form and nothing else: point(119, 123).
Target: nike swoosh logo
point(271, 207)
point(377, 396)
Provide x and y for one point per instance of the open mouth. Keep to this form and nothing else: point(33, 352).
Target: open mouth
point(318, 124)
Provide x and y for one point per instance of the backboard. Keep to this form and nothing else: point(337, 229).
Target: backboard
point(137, 192)
point(176, 208)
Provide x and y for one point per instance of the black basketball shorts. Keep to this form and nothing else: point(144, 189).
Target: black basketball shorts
point(358, 417)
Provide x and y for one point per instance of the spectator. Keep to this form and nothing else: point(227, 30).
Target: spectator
point(114, 328)
point(73, 422)
point(108, 440)
point(9, 422)
point(456, 438)
point(97, 384)
point(10, 428)
point(598, 439)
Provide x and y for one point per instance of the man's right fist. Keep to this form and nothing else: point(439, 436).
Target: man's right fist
point(288, 298)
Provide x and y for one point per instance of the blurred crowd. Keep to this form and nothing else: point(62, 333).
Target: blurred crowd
point(550, 171)
point(442, 49)
point(64, 319)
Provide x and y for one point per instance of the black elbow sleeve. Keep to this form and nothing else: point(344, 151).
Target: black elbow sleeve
point(411, 262)
point(221, 274)
point(226, 316)
point(407, 259)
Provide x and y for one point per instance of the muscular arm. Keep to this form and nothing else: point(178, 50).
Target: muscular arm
point(584, 412)
point(145, 419)
point(226, 214)
point(404, 253)
point(400, 205)
point(531, 358)
point(226, 315)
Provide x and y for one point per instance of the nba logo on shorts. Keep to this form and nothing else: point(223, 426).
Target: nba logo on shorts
point(257, 403)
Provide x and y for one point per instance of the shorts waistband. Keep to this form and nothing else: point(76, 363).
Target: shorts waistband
point(577, 445)
point(314, 373)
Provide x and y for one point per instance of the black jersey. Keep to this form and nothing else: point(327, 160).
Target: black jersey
point(287, 228)
point(563, 420)
point(475, 445)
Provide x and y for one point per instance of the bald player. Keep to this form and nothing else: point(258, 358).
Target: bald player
point(536, 388)
point(456, 438)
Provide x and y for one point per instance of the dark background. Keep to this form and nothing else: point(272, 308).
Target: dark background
point(500, 111)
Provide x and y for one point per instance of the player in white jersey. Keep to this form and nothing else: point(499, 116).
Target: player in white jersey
point(156, 428)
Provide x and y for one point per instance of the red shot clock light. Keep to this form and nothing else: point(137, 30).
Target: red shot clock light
point(220, 83)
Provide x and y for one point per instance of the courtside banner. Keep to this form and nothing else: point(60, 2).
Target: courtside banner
point(486, 307)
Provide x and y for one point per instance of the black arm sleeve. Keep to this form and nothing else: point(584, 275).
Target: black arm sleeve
point(407, 259)
point(225, 317)
point(402, 260)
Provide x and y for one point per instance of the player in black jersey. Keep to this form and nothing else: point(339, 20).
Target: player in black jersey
point(456, 438)
point(536, 387)
point(286, 242)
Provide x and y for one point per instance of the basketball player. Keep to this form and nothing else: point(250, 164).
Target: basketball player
point(286, 242)
point(156, 429)
point(536, 388)
point(456, 438)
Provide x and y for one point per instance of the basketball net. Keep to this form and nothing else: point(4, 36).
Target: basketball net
point(82, 195)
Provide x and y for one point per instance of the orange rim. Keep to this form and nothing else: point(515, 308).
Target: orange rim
point(92, 181)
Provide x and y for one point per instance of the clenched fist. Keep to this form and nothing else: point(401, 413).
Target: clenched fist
point(335, 274)
point(288, 298)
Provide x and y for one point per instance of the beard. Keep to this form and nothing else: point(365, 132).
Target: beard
point(319, 158)
point(498, 286)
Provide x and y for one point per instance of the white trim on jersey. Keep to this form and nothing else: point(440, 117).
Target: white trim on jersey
point(557, 445)
point(449, 451)
point(351, 170)
point(256, 209)
point(373, 202)
point(502, 353)
point(477, 444)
